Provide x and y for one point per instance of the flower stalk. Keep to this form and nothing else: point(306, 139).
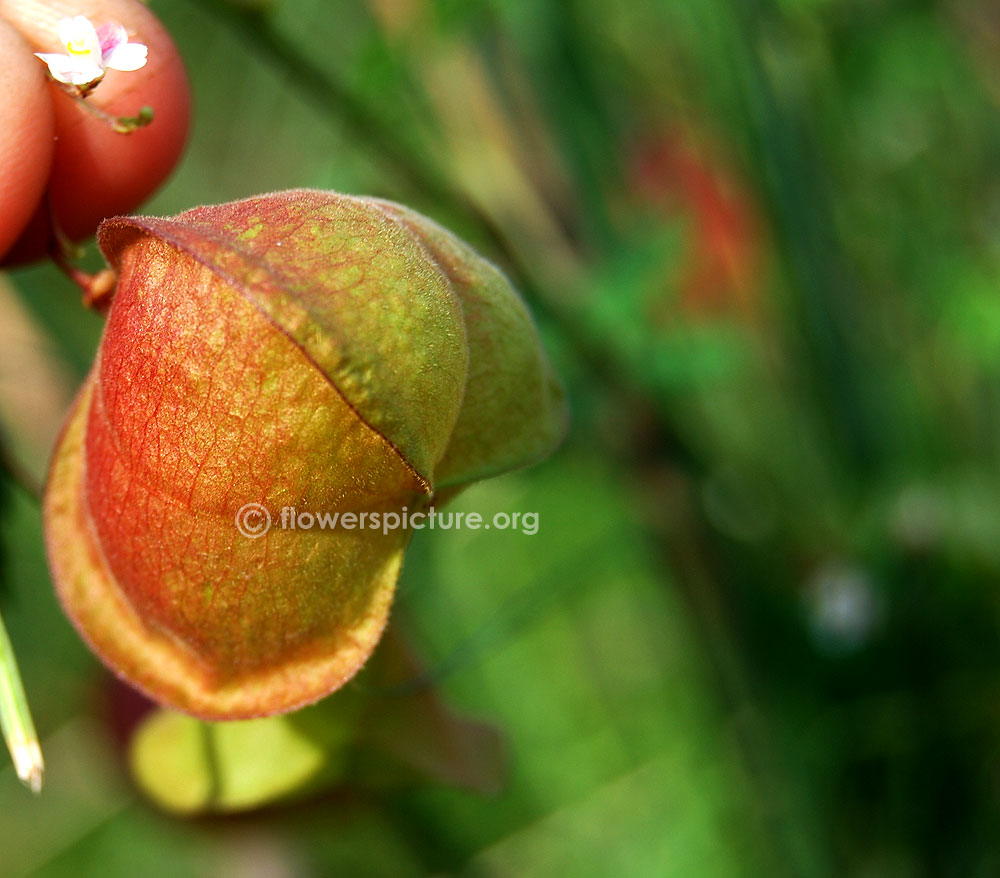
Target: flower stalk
point(118, 124)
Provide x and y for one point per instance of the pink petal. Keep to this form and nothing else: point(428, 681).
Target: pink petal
point(111, 36)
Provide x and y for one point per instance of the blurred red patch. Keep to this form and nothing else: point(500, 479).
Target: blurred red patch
point(682, 177)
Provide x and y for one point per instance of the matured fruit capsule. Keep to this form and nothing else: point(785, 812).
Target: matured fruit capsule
point(301, 350)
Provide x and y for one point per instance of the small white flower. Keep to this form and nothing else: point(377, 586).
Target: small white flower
point(91, 52)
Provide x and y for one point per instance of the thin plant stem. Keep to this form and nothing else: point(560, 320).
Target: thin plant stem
point(118, 124)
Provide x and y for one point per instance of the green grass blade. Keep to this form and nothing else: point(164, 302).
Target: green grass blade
point(15, 719)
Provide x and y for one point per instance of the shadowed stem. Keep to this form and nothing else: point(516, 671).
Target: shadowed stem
point(98, 288)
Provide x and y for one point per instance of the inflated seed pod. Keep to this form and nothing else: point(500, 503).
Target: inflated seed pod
point(301, 351)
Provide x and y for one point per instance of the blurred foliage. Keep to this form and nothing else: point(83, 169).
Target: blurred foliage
point(757, 631)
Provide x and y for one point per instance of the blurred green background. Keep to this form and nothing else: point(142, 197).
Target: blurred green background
point(757, 631)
